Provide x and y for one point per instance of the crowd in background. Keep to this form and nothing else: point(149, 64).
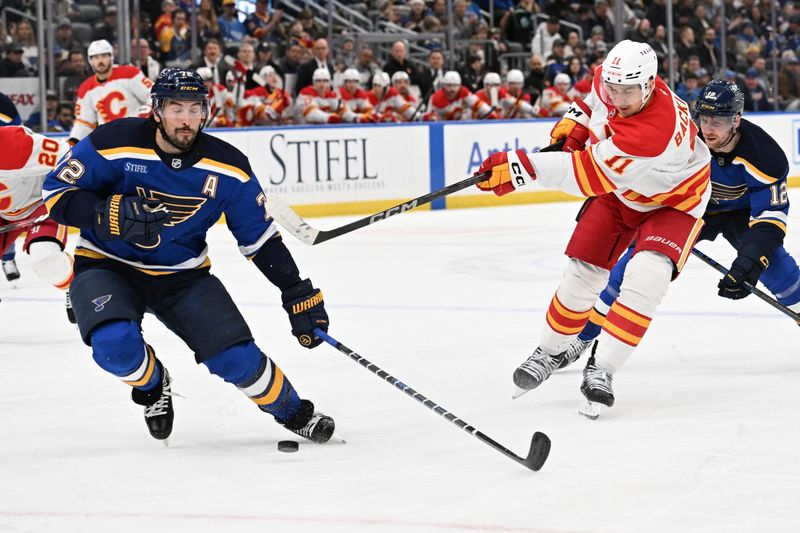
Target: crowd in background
point(240, 48)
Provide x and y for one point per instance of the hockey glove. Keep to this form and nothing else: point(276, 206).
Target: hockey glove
point(573, 134)
point(306, 311)
point(510, 170)
point(130, 218)
point(748, 267)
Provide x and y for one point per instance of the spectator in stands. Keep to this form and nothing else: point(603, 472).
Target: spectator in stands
point(320, 59)
point(692, 64)
point(557, 61)
point(51, 104)
point(708, 52)
point(570, 44)
point(685, 46)
point(212, 58)
point(789, 84)
point(264, 58)
point(346, 55)
point(600, 17)
point(164, 20)
point(142, 56)
point(290, 62)
point(398, 61)
point(523, 23)
point(464, 22)
point(430, 76)
point(688, 90)
point(310, 26)
point(699, 22)
point(209, 14)
point(792, 33)
point(413, 21)
point(657, 14)
point(64, 42)
point(431, 24)
point(643, 32)
point(472, 73)
point(596, 41)
point(659, 42)
point(108, 28)
point(179, 49)
point(232, 29)
point(246, 63)
point(575, 70)
point(747, 39)
point(534, 81)
point(24, 36)
point(263, 26)
point(146, 29)
point(11, 66)
point(544, 37)
point(75, 65)
point(755, 97)
point(65, 115)
point(439, 10)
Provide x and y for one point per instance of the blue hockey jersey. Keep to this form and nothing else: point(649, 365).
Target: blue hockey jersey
point(198, 187)
point(753, 176)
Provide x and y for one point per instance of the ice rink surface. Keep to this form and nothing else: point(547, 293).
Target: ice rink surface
point(704, 435)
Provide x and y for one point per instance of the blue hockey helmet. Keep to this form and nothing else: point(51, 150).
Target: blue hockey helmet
point(178, 84)
point(9, 115)
point(720, 98)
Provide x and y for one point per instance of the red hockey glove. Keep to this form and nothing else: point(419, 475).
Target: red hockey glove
point(333, 118)
point(573, 134)
point(492, 116)
point(510, 170)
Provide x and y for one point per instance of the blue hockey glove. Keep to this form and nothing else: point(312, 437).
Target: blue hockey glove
point(306, 311)
point(748, 266)
point(130, 218)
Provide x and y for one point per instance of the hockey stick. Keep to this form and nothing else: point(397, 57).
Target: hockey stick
point(24, 224)
point(304, 232)
point(540, 443)
point(422, 102)
point(767, 298)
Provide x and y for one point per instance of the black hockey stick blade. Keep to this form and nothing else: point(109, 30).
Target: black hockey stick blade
point(540, 450)
point(754, 290)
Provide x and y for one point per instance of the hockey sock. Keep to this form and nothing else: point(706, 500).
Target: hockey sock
point(572, 304)
point(782, 278)
point(51, 263)
point(598, 315)
point(258, 377)
point(646, 280)
point(118, 347)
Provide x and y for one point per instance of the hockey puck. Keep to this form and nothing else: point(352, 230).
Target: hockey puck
point(288, 446)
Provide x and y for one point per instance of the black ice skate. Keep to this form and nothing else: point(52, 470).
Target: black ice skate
point(309, 424)
point(158, 411)
point(535, 370)
point(596, 388)
point(574, 351)
point(70, 311)
point(10, 270)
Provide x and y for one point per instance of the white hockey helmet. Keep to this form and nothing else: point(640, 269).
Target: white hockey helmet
point(492, 78)
point(100, 47)
point(561, 78)
point(515, 76)
point(400, 75)
point(632, 63)
point(381, 79)
point(351, 74)
point(205, 73)
point(267, 71)
point(321, 74)
point(451, 77)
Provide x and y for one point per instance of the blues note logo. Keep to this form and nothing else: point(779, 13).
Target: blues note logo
point(100, 303)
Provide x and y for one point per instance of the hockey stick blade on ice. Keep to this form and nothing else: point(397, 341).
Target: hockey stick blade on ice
point(306, 233)
point(761, 294)
point(540, 443)
point(24, 224)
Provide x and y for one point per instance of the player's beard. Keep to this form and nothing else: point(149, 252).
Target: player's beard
point(179, 139)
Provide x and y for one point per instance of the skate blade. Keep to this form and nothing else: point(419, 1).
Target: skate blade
point(518, 391)
point(590, 410)
point(166, 442)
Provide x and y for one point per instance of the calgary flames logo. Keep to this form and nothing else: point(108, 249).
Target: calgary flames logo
point(105, 107)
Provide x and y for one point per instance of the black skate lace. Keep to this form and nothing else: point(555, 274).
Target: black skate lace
point(540, 364)
point(598, 379)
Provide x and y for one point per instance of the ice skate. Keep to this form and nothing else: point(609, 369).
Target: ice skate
point(534, 371)
point(310, 424)
point(574, 352)
point(158, 411)
point(70, 311)
point(10, 270)
point(596, 388)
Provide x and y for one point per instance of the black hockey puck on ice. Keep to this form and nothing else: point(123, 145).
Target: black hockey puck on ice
point(288, 446)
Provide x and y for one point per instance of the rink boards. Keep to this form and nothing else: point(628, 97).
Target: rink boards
point(355, 169)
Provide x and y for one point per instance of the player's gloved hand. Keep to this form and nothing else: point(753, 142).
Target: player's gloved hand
point(492, 115)
point(130, 218)
point(366, 118)
point(510, 170)
point(306, 311)
point(573, 134)
point(748, 266)
point(333, 118)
